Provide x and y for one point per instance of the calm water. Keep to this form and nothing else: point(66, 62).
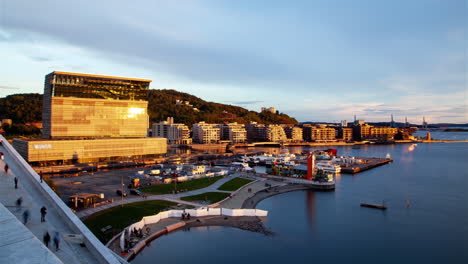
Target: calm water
point(331, 227)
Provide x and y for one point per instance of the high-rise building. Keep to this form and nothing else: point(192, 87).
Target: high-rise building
point(90, 117)
point(175, 133)
point(204, 133)
point(80, 105)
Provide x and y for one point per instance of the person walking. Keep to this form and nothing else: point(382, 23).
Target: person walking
point(19, 201)
point(40, 175)
point(25, 216)
point(43, 214)
point(46, 239)
point(6, 168)
point(57, 241)
point(16, 182)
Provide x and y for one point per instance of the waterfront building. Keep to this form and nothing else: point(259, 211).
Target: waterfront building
point(344, 123)
point(275, 133)
point(233, 132)
point(382, 133)
point(345, 133)
point(204, 133)
point(293, 133)
point(175, 133)
point(89, 117)
point(255, 132)
point(77, 106)
point(361, 132)
point(318, 133)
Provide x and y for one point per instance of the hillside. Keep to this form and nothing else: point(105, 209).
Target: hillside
point(24, 108)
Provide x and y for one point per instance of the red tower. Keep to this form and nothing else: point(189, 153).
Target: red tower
point(310, 166)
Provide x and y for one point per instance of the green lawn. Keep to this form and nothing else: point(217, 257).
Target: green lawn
point(188, 185)
point(234, 184)
point(120, 217)
point(208, 197)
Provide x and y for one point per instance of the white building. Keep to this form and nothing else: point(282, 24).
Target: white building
point(204, 133)
point(175, 133)
point(275, 133)
point(233, 132)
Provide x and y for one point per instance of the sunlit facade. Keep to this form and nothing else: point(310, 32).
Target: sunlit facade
point(94, 106)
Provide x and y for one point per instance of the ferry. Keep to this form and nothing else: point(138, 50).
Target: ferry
point(328, 167)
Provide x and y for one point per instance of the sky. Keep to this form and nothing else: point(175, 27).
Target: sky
point(314, 60)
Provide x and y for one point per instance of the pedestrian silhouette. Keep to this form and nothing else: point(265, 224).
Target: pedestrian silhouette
point(40, 175)
point(43, 214)
point(46, 239)
point(25, 216)
point(19, 201)
point(6, 168)
point(57, 241)
point(16, 183)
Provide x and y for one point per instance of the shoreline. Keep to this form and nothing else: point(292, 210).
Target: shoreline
point(251, 202)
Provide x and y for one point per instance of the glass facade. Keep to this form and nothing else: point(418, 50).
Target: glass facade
point(95, 86)
point(94, 106)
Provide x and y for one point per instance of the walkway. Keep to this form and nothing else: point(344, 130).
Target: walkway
point(167, 197)
point(56, 220)
point(243, 194)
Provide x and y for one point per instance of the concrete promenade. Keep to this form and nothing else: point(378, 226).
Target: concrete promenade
point(56, 221)
point(167, 197)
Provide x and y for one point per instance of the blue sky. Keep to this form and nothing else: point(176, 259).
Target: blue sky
point(315, 60)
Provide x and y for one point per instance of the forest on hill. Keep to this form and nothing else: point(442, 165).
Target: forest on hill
point(26, 108)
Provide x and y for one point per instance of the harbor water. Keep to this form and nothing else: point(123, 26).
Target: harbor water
point(425, 190)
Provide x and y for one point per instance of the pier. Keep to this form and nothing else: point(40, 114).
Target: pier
point(369, 164)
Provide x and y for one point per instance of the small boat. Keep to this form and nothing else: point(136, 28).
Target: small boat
point(328, 167)
point(376, 206)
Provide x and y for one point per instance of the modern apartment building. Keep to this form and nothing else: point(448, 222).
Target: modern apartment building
point(275, 133)
point(293, 133)
point(175, 133)
point(318, 133)
point(345, 133)
point(204, 133)
point(233, 132)
point(255, 132)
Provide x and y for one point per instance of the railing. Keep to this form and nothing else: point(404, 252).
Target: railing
point(98, 250)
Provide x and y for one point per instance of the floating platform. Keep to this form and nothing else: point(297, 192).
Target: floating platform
point(376, 206)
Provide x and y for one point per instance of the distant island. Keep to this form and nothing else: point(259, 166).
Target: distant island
point(455, 130)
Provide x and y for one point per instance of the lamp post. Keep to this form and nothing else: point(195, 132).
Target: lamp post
point(122, 193)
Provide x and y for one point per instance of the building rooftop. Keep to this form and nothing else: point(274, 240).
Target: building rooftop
point(99, 76)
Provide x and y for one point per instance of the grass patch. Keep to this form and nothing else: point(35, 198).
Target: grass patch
point(208, 197)
point(120, 217)
point(234, 184)
point(188, 185)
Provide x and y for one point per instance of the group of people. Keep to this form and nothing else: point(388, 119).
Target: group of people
point(185, 216)
point(137, 232)
point(56, 239)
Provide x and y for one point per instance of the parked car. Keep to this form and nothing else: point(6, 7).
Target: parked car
point(135, 192)
point(121, 193)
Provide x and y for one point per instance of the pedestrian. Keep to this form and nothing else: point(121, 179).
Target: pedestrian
point(40, 175)
point(57, 241)
point(46, 239)
point(16, 182)
point(6, 168)
point(43, 213)
point(25, 216)
point(188, 216)
point(1, 155)
point(19, 201)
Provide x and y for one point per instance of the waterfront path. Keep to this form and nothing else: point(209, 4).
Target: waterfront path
point(32, 200)
point(167, 197)
point(238, 198)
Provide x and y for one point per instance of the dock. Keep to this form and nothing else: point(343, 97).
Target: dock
point(370, 163)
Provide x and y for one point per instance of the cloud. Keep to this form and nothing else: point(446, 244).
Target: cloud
point(8, 87)
point(40, 59)
point(244, 102)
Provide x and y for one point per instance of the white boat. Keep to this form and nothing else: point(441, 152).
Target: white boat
point(328, 167)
